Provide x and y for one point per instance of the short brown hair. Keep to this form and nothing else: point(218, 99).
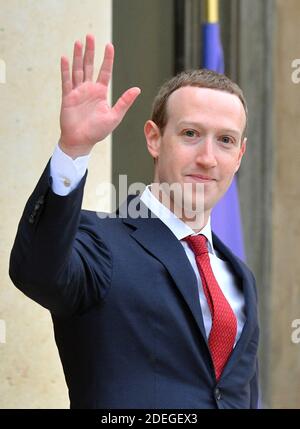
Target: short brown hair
point(201, 78)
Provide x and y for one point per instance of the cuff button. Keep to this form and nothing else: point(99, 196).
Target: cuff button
point(67, 182)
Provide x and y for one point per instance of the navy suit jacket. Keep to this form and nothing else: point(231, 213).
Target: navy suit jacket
point(125, 307)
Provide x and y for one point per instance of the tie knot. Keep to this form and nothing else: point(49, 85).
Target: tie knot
point(198, 243)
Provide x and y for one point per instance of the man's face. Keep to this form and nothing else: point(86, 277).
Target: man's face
point(201, 142)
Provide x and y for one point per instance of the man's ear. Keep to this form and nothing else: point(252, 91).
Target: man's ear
point(241, 154)
point(153, 136)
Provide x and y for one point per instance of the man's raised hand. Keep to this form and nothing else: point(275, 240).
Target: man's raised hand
point(86, 116)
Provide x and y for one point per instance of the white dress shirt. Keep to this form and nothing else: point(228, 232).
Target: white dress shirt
point(66, 174)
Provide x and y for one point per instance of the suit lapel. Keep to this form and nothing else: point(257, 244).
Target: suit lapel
point(156, 238)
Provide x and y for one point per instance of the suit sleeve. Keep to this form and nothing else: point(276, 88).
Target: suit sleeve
point(57, 258)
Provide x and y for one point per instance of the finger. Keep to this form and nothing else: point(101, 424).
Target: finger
point(77, 70)
point(107, 65)
point(66, 83)
point(125, 102)
point(88, 60)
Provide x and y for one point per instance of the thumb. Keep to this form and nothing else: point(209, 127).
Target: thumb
point(125, 102)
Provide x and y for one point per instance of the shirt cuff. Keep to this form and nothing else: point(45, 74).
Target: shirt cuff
point(66, 172)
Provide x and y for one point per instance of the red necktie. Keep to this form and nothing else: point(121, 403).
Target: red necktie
point(224, 325)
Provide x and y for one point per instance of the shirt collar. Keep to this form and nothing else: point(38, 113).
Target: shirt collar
point(176, 225)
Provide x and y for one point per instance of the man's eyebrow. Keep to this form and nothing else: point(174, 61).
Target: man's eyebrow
point(230, 131)
point(200, 125)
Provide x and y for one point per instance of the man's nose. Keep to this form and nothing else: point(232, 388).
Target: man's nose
point(206, 153)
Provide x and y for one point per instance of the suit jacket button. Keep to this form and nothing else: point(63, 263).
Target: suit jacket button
point(31, 218)
point(218, 394)
point(40, 199)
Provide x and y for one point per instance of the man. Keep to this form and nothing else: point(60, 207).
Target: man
point(151, 311)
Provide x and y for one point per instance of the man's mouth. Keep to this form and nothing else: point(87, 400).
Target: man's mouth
point(200, 178)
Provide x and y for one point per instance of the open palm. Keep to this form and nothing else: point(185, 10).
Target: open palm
point(86, 116)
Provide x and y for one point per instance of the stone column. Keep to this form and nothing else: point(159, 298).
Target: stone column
point(285, 299)
point(33, 36)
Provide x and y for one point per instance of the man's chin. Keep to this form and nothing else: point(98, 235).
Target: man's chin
point(195, 218)
point(210, 202)
point(190, 207)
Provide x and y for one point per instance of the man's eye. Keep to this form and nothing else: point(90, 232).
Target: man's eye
point(227, 140)
point(189, 133)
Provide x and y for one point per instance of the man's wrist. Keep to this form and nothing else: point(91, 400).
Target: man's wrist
point(73, 151)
